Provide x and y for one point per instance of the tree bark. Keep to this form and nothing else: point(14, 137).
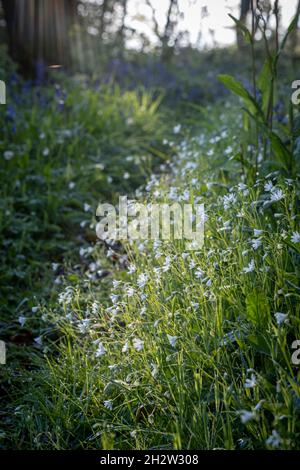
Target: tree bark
point(38, 31)
point(167, 51)
point(244, 10)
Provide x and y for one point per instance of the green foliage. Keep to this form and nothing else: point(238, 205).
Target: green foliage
point(261, 110)
point(186, 349)
point(257, 308)
point(63, 150)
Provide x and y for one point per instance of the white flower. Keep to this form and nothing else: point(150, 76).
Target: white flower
point(156, 244)
point(255, 243)
point(38, 340)
point(295, 237)
point(130, 291)
point(192, 264)
point(250, 268)
point(125, 348)
point(172, 340)
point(281, 318)
point(86, 207)
point(251, 383)
point(154, 370)
point(126, 175)
point(226, 226)
point(269, 186)
point(116, 283)
point(167, 264)
point(114, 298)
point(199, 273)
point(228, 150)
point(257, 233)
point(108, 404)
point(83, 325)
point(131, 269)
point(274, 440)
point(8, 155)
point(22, 320)
point(110, 253)
point(46, 152)
point(177, 129)
point(71, 185)
point(142, 280)
point(246, 416)
point(138, 344)
point(34, 309)
point(101, 351)
point(277, 195)
point(229, 200)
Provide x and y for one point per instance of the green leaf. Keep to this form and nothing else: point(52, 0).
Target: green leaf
point(257, 308)
point(282, 154)
point(293, 25)
point(294, 246)
point(235, 86)
point(264, 84)
point(238, 89)
point(259, 344)
point(246, 33)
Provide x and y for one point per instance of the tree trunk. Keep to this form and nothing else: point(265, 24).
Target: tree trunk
point(122, 30)
point(38, 31)
point(244, 10)
point(167, 51)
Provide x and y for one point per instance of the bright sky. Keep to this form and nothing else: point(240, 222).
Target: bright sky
point(217, 19)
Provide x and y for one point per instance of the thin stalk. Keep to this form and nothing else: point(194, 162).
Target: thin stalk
point(254, 75)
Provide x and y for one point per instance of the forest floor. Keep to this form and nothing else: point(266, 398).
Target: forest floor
point(144, 345)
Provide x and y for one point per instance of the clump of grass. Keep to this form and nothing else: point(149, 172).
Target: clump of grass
point(64, 148)
point(193, 349)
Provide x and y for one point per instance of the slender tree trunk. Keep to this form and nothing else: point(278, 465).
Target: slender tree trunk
point(244, 10)
point(167, 51)
point(104, 9)
point(121, 32)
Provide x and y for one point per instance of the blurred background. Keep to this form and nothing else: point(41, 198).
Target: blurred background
point(154, 43)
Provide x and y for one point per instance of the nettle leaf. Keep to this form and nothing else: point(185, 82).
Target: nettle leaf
point(257, 308)
point(283, 155)
point(238, 89)
point(246, 33)
point(264, 84)
point(235, 86)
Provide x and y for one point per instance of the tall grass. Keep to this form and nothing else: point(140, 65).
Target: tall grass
point(193, 349)
point(149, 345)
